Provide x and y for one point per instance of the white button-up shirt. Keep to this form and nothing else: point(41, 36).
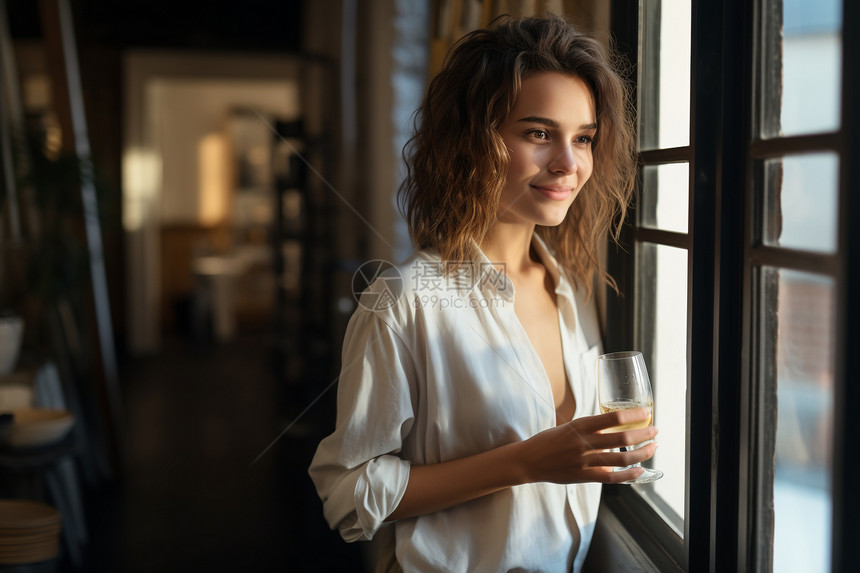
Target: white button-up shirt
point(437, 367)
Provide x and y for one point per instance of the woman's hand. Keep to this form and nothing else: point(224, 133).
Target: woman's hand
point(570, 453)
point(575, 452)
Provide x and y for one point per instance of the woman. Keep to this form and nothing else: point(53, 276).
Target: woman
point(468, 436)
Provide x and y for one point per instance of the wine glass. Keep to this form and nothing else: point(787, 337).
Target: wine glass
point(622, 382)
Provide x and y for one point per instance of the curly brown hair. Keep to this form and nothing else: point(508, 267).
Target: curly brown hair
point(457, 161)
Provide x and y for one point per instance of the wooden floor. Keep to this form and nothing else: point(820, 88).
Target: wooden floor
point(190, 499)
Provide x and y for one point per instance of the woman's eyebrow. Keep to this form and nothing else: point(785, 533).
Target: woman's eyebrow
point(553, 123)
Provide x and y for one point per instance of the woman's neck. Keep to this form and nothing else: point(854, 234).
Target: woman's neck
point(510, 244)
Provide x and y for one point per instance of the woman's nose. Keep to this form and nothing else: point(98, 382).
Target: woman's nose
point(563, 162)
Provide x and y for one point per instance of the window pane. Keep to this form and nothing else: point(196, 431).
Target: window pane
point(799, 366)
point(801, 202)
point(662, 337)
point(801, 69)
point(665, 197)
point(664, 79)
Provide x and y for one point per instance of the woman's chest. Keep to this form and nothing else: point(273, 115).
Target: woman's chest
point(482, 384)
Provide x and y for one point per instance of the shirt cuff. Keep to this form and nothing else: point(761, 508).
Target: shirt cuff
point(379, 487)
point(379, 491)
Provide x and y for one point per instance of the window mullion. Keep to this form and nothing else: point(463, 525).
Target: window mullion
point(846, 463)
point(701, 472)
point(795, 260)
point(735, 308)
point(669, 238)
point(778, 147)
point(719, 310)
point(669, 155)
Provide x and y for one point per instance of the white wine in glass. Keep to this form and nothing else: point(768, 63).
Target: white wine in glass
point(622, 383)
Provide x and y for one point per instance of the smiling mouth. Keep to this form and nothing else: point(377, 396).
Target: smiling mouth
point(556, 193)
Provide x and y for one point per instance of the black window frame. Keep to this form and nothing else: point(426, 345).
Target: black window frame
point(722, 521)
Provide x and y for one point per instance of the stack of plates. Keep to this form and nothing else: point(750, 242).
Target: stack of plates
point(29, 532)
point(38, 426)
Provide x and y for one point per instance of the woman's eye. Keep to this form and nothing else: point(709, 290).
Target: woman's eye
point(539, 134)
point(585, 139)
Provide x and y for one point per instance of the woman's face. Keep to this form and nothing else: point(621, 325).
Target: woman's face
point(549, 134)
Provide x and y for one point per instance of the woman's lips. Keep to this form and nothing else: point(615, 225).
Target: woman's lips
point(554, 192)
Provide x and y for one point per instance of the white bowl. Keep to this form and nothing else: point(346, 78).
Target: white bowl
point(11, 333)
point(39, 427)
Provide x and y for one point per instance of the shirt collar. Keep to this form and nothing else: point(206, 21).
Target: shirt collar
point(481, 274)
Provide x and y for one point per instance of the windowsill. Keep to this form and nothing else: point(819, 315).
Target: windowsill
point(615, 550)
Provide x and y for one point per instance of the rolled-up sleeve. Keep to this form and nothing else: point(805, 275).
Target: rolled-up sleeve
point(357, 470)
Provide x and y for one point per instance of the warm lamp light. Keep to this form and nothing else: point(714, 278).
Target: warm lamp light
point(213, 161)
point(141, 180)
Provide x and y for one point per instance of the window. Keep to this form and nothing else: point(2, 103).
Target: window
point(737, 270)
